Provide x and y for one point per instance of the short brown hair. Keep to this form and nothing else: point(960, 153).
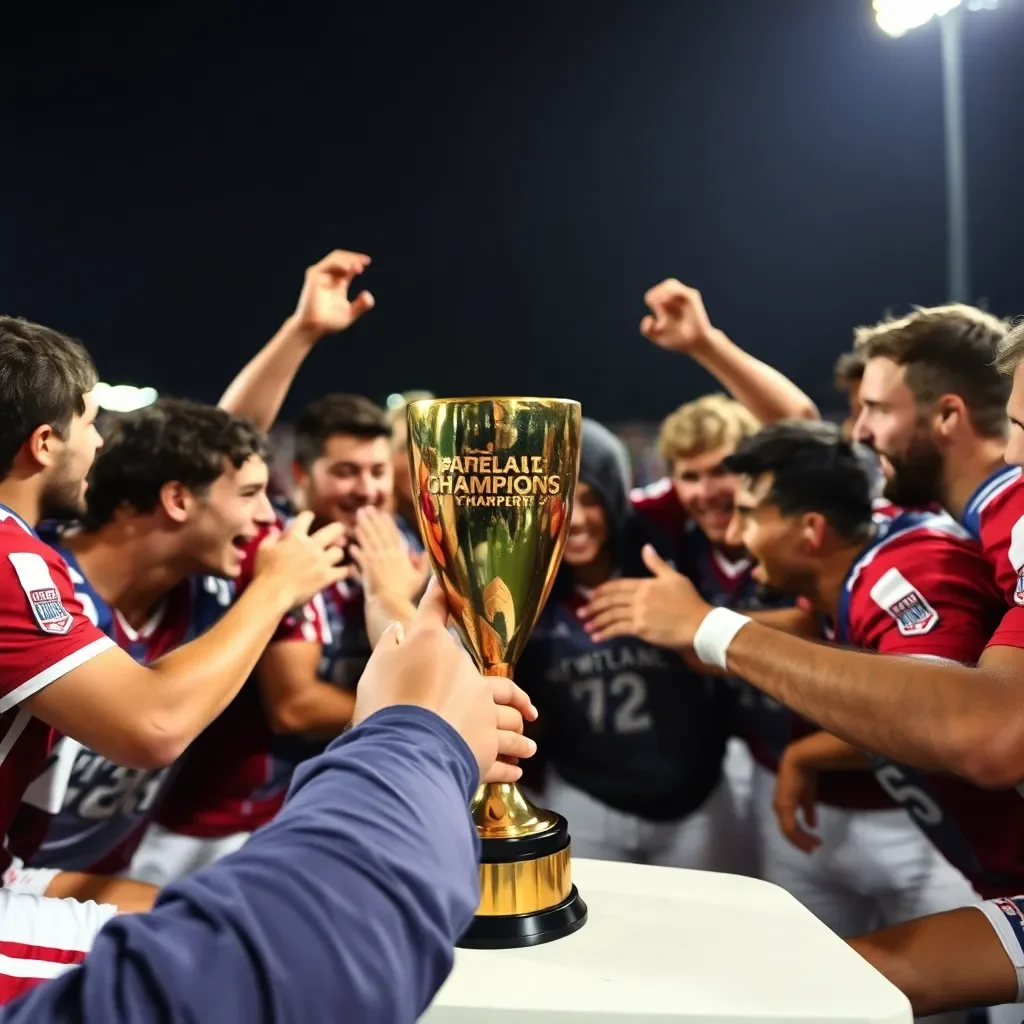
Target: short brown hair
point(1010, 351)
point(331, 415)
point(947, 350)
point(44, 378)
point(703, 425)
point(849, 370)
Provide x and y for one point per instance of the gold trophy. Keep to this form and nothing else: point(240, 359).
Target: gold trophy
point(494, 480)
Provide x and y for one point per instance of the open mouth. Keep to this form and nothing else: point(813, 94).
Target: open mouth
point(241, 543)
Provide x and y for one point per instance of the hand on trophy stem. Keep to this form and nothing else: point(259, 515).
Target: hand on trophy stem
point(422, 664)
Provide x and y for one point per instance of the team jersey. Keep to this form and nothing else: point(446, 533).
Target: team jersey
point(994, 516)
point(923, 587)
point(622, 720)
point(44, 634)
point(231, 779)
point(763, 723)
point(83, 812)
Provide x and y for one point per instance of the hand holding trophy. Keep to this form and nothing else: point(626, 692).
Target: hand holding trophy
point(494, 480)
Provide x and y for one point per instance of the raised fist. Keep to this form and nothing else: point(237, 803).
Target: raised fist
point(678, 321)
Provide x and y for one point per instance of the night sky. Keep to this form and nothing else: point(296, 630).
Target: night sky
point(520, 174)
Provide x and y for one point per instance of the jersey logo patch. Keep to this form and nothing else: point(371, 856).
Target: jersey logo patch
point(910, 609)
point(1018, 593)
point(43, 596)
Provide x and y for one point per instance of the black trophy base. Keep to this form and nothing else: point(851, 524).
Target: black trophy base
point(518, 930)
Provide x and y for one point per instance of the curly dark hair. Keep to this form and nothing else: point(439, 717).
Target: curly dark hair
point(172, 440)
point(331, 415)
point(44, 377)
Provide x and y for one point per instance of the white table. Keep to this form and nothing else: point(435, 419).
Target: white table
point(669, 945)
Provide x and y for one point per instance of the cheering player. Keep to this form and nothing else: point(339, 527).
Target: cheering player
point(176, 504)
point(58, 671)
point(934, 409)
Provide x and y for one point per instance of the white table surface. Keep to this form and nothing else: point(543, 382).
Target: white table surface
point(667, 945)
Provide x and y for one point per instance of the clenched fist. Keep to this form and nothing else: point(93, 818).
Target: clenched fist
point(677, 321)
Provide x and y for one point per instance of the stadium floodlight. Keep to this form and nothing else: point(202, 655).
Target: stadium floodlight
point(896, 18)
point(124, 397)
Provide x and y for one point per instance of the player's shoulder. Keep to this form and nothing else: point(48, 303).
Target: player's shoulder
point(916, 542)
point(995, 502)
point(660, 494)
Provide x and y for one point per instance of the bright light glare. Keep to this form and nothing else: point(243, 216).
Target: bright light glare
point(897, 17)
point(124, 397)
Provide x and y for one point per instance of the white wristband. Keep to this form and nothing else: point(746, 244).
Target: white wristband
point(715, 633)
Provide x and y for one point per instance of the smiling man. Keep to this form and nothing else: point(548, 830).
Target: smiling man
point(934, 387)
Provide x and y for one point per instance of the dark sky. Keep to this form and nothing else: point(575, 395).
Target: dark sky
point(520, 175)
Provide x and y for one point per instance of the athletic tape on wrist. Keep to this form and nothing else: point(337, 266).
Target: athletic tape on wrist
point(715, 633)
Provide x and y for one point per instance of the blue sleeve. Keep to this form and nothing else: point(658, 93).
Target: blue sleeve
point(347, 906)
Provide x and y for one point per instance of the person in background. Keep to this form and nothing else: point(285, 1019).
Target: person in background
point(693, 505)
point(353, 897)
point(404, 501)
point(935, 410)
point(59, 673)
point(847, 375)
point(236, 773)
point(176, 500)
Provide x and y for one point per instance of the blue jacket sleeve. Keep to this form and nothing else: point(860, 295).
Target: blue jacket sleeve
point(346, 907)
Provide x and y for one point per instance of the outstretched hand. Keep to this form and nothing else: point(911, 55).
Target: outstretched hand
point(664, 609)
point(324, 305)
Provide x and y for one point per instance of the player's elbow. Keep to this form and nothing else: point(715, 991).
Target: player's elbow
point(153, 746)
point(804, 410)
point(287, 717)
point(989, 755)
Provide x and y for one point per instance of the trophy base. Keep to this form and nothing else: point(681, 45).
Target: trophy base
point(526, 891)
point(519, 930)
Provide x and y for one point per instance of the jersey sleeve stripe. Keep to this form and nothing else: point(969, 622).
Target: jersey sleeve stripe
point(54, 672)
point(44, 970)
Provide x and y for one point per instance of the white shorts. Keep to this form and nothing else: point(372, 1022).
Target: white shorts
point(873, 868)
point(705, 839)
point(41, 938)
point(164, 856)
point(28, 881)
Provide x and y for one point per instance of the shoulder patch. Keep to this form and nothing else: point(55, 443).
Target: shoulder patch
point(898, 597)
point(43, 596)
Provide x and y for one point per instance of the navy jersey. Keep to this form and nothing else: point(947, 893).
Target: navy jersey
point(83, 812)
point(762, 722)
point(626, 722)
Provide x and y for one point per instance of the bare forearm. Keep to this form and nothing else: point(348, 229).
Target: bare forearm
point(259, 390)
point(321, 711)
point(944, 962)
point(768, 394)
point(196, 682)
point(382, 610)
point(827, 753)
point(912, 710)
point(128, 896)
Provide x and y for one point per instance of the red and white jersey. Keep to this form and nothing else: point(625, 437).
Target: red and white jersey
point(44, 634)
point(922, 587)
point(230, 779)
point(994, 515)
point(83, 812)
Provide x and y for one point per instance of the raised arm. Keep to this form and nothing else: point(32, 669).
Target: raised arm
point(678, 322)
point(324, 307)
